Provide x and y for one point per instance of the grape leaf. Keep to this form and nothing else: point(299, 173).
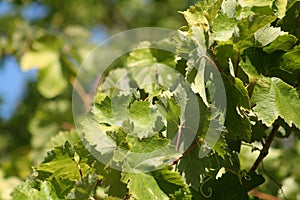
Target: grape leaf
point(230, 186)
point(226, 52)
point(26, 191)
point(288, 22)
point(193, 167)
point(171, 110)
point(148, 154)
point(267, 34)
point(84, 188)
point(195, 73)
point(51, 81)
point(229, 7)
point(282, 42)
point(143, 118)
point(273, 98)
point(248, 26)
point(170, 182)
point(223, 28)
point(202, 13)
point(49, 118)
point(237, 100)
point(61, 138)
point(143, 186)
point(62, 186)
point(281, 6)
point(117, 81)
point(141, 56)
point(251, 3)
point(291, 61)
point(116, 188)
point(59, 163)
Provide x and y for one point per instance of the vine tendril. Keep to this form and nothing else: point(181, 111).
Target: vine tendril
point(209, 189)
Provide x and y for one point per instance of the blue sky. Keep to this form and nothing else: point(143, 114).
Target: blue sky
point(12, 80)
point(12, 85)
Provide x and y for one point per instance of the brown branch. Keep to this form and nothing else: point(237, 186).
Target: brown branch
point(264, 152)
point(261, 195)
point(215, 57)
point(193, 146)
point(237, 63)
point(82, 94)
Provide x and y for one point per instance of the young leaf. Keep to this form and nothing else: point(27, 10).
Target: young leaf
point(143, 186)
point(273, 98)
point(27, 191)
point(223, 27)
point(170, 181)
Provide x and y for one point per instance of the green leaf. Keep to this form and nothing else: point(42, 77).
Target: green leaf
point(143, 186)
point(248, 26)
point(170, 182)
point(141, 56)
point(62, 186)
point(49, 118)
point(223, 28)
point(267, 34)
point(84, 188)
point(26, 191)
point(202, 13)
point(152, 77)
point(51, 81)
point(281, 6)
point(196, 71)
point(291, 61)
point(273, 98)
point(115, 188)
point(251, 3)
point(225, 53)
point(116, 81)
point(288, 22)
point(282, 42)
point(193, 167)
point(39, 59)
point(237, 100)
point(60, 163)
point(230, 186)
point(147, 153)
point(229, 7)
point(143, 118)
point(61, 138)
point(147, 145)
point(172, 111)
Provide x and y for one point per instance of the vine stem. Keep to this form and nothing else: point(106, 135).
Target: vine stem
point(237, 63)
point(264, 152)
point(193, 146)
point(262, 195)
point(82, 93)
point(179, 135)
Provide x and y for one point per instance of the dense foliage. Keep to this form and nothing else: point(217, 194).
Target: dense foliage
point(252, 46)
